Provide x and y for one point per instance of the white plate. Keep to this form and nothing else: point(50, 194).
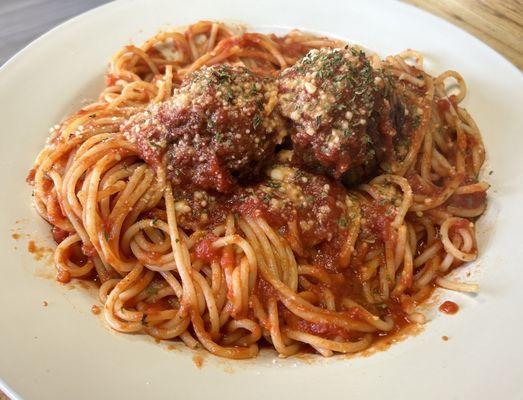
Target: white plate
point(63, 352)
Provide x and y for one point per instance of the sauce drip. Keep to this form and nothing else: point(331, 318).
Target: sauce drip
point(449, 307)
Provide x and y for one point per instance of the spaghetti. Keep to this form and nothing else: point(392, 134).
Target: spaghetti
point(290, 256)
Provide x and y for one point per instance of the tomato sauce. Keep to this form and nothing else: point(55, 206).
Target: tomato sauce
point(377, 219)
point(264, 291)
point(59, 235)
point(468, 200)
point(205, 251)
point(443, 105)
point(449, 307)
point(96, 310)
point(110, 79)
point(31, 177)
point(159, 305)
point(419, 187)
point(256, 208)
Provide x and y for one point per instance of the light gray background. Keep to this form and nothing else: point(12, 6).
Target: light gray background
point(22, 21)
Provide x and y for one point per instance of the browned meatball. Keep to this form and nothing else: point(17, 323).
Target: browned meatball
point(220, 126)
point(335, 100)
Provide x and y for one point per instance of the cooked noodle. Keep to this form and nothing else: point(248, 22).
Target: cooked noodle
point(103, 199)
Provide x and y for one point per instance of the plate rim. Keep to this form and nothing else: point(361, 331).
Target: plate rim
point(12, 61)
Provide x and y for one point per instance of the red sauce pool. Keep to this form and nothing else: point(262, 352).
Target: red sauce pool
point(449, 307)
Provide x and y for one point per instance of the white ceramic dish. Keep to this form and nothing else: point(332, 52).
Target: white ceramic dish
point(63, 352)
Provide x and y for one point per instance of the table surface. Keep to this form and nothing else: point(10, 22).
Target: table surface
point(497, 23)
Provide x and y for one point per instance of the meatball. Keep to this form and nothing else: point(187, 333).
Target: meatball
point(335, 101)
point(220, 126)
